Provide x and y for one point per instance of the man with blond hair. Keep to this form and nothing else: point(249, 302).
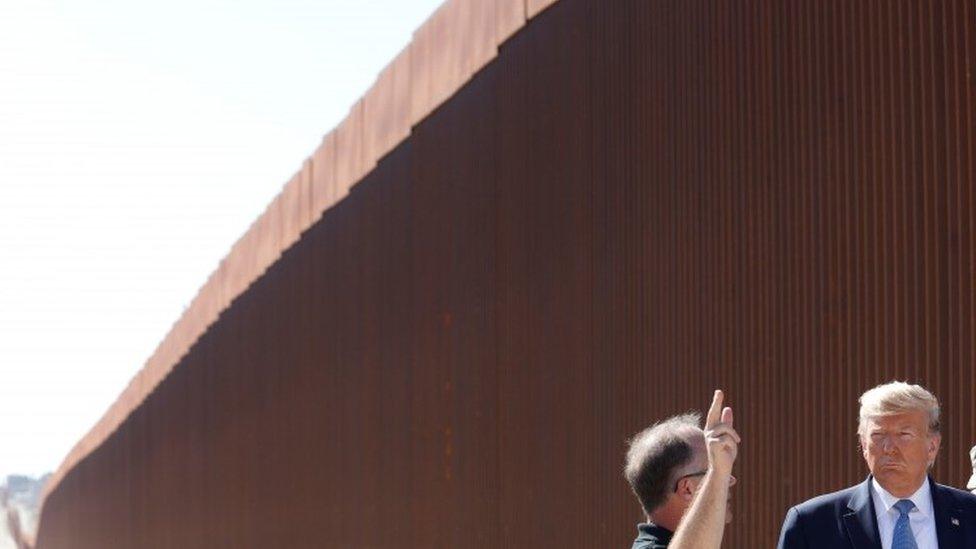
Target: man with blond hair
point(899, 506)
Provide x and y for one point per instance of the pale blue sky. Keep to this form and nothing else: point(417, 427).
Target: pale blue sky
point(138, 140)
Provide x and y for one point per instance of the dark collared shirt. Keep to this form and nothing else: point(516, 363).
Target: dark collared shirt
point(652, 536)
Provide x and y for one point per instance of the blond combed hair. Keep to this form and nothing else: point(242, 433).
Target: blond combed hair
point(898, 397)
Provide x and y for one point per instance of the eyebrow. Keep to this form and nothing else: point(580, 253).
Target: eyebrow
point(893, 429)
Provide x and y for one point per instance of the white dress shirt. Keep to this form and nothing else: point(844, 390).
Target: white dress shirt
point(922, 517)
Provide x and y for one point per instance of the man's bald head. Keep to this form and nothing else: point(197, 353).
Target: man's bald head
point(658, 454)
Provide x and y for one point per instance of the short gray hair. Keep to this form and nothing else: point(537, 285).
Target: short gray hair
point(655, 454)
point(898, 397)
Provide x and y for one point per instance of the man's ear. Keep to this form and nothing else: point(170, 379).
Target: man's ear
point(684, 489)
point(681, 487)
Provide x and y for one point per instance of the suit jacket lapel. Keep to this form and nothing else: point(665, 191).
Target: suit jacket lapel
point(860, 522)
point(948, 519)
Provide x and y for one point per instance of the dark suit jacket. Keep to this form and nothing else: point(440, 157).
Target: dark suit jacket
point(846, 520)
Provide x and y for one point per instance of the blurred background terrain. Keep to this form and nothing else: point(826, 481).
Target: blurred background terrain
point(19, 500)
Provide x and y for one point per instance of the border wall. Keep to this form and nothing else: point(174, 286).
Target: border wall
point(544, 227)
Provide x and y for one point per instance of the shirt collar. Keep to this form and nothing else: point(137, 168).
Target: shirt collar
point(922, 498)
point(650, 531)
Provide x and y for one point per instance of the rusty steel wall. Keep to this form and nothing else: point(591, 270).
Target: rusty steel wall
point(635, 202)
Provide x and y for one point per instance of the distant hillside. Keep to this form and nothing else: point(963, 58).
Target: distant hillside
point(19, 499)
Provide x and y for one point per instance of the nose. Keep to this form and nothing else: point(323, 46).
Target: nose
point(888, 445)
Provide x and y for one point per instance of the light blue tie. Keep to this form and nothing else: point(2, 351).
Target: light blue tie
point(903, 537)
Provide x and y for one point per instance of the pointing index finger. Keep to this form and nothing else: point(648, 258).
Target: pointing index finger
point(715, 411)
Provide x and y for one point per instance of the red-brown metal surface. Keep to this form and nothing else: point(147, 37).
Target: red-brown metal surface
point(509, 18)
point(323, 166)
point(634, 203)
point(534, 7)
point(351, 162)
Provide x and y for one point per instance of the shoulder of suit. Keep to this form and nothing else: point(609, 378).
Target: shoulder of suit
point(833, 499)
point(962, 497)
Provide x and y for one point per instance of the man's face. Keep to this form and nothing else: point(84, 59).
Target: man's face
point(898, 449)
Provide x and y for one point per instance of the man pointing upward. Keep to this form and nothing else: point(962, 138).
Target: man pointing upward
point(682, 476)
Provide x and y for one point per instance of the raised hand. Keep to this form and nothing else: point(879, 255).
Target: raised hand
point(703, 524)
point(721, 439)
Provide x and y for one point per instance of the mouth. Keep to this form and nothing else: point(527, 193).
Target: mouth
point(890, 469)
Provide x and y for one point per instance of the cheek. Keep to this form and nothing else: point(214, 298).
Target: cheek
point(921, 455)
